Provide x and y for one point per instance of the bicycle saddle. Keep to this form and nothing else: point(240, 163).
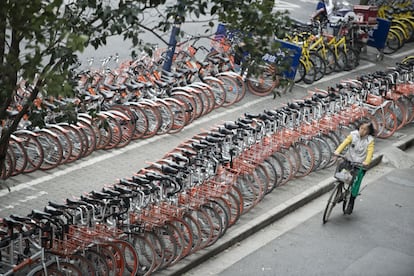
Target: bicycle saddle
point(111, 192)
point(168, 169)
point(53, 211)
point(39, 215)
point(225, 131)
point(179, 157)
point(198, 146)
point(230, 125)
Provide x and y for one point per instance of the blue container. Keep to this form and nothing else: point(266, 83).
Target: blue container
point(378, 35)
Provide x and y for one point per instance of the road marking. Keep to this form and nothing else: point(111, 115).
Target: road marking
point(334, 76)
point(403, 54)
point(283, 5)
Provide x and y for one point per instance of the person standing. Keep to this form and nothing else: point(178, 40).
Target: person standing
point(320, 13)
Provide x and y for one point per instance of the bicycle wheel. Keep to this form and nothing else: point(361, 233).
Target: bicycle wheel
point(178, 109)
point(311, 72)
point(141, 122)
point(76, 139)
point(272, 174)
point(99, 263)
point(341, 59)
point(334, 198)
point(196, 231)
point(307, 159)
point(87, 119)
point(33, 149)
point(232, 90)
point(235, 207)
point(19, 152)
point(66, 268)
point(217, 225)
point(147, 255)
point(167, 116)
point(393, 42)
point(83, 263)
point(387, 122)
point(216, 85)
point(330, 58)
point(352, 58)
point(264, 81)
point(52, 148)
point(287, 168)
point(319, 63)
point(189, 101)
point(154, 119)
point(300, 71)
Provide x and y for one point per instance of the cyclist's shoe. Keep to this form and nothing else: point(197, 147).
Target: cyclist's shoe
point(350, 207)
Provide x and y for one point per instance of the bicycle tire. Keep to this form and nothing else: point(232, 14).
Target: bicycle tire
point(33, 150)
point(83, 263)
point(88, 135)
point(167, 116)
point(154, 119)
point(86, 118)
point(178, 109)
point(319, 63)
point(147, 255)
point(196, 230)
point(272, 174)
point(67, 268)
point(76, 140)
point(264, 82)
point(341, 59)
point(189, 101)
point(287, 170)
point(333, 199)
point(141, 121)
point(352, 57)
point(300, 71)
point(278, 168)
point(311, 72)
point(52, 148)
point(307, 159)
point(232, 90)
point(215, 84)
point(330, 59)
point(98, 261)
point(217, 226)
point(393, 42)
point(20, 154)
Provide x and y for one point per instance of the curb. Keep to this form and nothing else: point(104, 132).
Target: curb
point(254, 225)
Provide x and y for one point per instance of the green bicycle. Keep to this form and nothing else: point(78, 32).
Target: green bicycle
point(348, 181)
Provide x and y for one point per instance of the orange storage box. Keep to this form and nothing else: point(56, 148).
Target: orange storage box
point(366, 14)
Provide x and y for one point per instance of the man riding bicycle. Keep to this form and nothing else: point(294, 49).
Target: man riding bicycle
point(360, 149)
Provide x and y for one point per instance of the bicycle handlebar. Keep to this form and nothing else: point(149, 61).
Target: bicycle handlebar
point(358, 165)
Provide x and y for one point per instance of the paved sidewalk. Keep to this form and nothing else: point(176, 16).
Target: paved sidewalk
point(296, 194)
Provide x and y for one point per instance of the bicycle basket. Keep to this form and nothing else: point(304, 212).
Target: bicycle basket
point(344, 176)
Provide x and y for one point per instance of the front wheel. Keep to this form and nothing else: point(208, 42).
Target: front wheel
point(334, 198)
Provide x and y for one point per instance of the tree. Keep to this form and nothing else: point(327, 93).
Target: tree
point(40, 39)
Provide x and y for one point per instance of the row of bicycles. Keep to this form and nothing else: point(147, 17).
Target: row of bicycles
point(112, 108)
point(400, 13)
point(188, 199)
